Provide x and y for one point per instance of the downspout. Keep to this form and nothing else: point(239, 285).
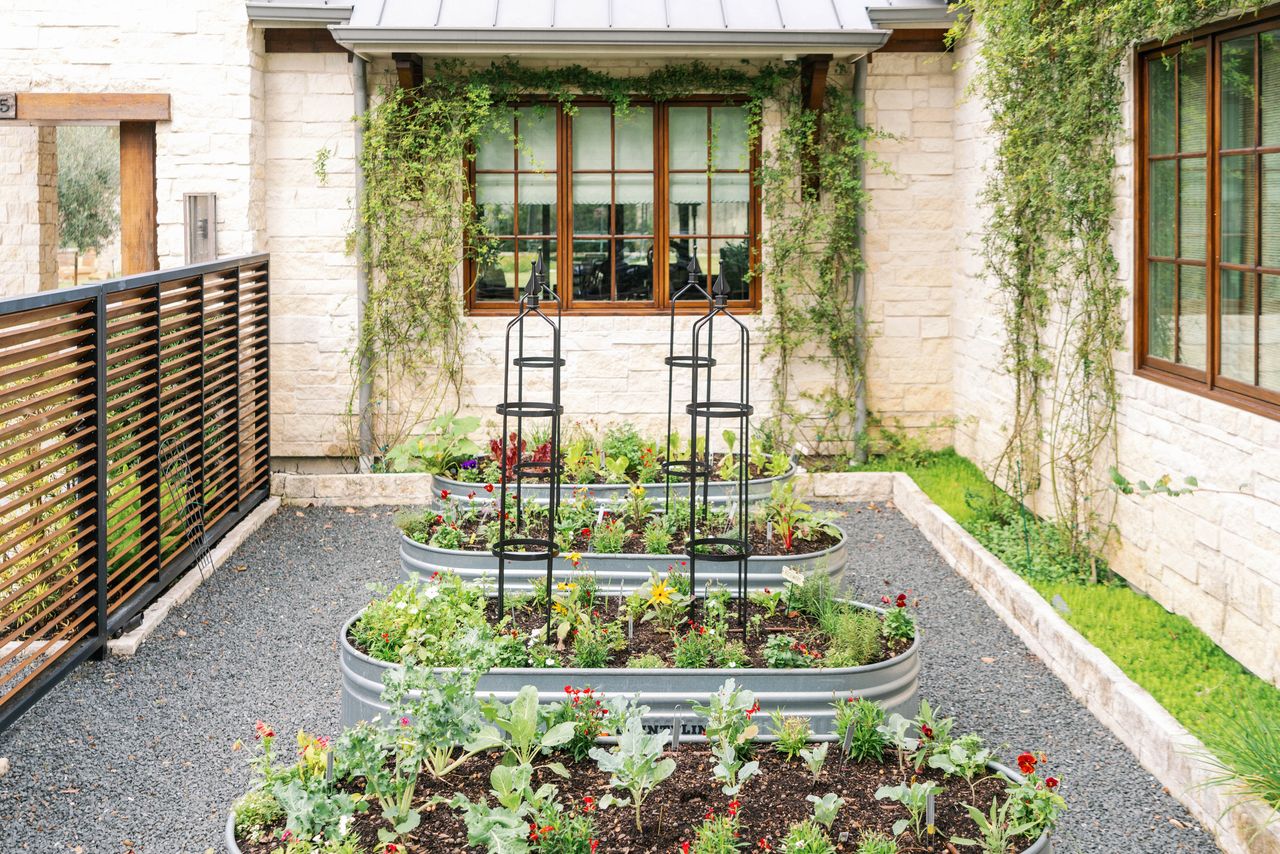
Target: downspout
point(364, 394)
point(859, 295)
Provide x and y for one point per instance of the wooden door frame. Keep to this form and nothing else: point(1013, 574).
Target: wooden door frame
point(137, 115)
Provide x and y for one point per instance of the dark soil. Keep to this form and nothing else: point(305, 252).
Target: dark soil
point(654, 638)
point(754, 472)
point(769, 804)
point(633, 543)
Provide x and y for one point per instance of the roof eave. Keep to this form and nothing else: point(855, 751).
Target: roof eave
point(921, 15)
point(383, 40)
point(298, 14)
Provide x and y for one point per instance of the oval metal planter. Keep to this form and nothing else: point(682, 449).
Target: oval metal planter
point(718, 492)
point(1043, 845)
point(667, 691)
point(613, 570)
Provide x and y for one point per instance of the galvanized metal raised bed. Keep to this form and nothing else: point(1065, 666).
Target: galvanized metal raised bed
point(612, 571)
point(718, 492)
point(667, 691)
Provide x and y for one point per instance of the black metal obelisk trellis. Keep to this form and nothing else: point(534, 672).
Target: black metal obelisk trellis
point(733, 545)
point(516, 542)
point(683, 468)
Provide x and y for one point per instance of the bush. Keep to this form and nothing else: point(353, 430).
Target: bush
point(853, 639)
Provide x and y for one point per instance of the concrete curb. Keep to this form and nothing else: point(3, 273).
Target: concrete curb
point(1163, 746)
point(128, 643)
point(352, 490)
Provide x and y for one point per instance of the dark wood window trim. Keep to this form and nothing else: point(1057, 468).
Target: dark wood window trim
point(1208, 382)
point(663, 286)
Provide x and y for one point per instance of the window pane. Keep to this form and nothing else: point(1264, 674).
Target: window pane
point(497, 264)
point(634, 266)
point(681, 249)
point(537, 204)
point(1160, 110)
point(497, 149)
point(495, 196)
point(688, 204)
point(633, 139)
point(1236, 325)
point(591, 270)
point(687, 138)
point(733, 258)
point(1160, 291)
point(1193, 112)
point(1238, 213)
point(1192, 209)
point(1270, 87)
point(591, 204)
point(634, 197)
point(1237, 93)
point(729, 138)
point(1269, 343)
point(538, 138)
point(1271, 210)
point(730, 195)
point(529, 252)
point(1163, 205)
point(1192, 335)
point(591, 138)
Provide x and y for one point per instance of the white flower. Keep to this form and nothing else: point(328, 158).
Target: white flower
point(550, 661)
point(431, 592)
point(400, 606)
point(344, 824)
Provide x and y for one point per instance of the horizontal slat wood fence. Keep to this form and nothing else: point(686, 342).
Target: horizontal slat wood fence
point(133, 435)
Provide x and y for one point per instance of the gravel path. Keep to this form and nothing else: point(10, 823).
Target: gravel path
point(135, 754)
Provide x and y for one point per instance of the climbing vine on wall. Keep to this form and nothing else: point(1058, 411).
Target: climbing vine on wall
point(813, 200)
point(416, 221)
point(1051, 73)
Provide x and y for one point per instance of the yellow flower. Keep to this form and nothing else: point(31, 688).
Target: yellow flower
point(660, 593)
point(575, 558)
point(637, 491)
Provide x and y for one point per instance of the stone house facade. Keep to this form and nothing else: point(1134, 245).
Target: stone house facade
point(258, 89)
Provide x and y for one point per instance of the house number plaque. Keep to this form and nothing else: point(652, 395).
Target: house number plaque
point(8, 105)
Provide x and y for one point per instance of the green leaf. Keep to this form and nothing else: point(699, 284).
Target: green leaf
point(558, 769)
point(559, 734)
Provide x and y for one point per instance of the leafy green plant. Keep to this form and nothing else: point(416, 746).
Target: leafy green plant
point(866, 718)
point(419, 621)
point(636, 764)
point(873, 842)
point(792, 733)
point(390, 784)
point(719, 834)
point(853, 637)
point(729, 731)
point(657, 536)
point(815, 758)
point(915, 797)
point(646, 661)
point(616, 470)
point(526, 739)
point(608, 536)
point(1034, 802)
point(825, 808)
point(964, 757)
point(1244, 748)
point(441, 714)
point(807, 837)
point(898, 624)
point(895, 731)
point(785, 651)
point(445, 445)
point(254, 811)
point(997, 831)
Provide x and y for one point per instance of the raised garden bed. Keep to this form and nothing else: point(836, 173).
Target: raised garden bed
point(801, 646)
point(535, 778)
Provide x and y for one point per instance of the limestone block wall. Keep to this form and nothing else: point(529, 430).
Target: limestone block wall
point(911, 239)
point(28, 210)
point(615, 370)
point(1213, 557)
point(205, 55)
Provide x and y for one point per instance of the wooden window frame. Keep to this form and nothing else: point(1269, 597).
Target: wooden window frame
point(1208, 382)
point(662, 286)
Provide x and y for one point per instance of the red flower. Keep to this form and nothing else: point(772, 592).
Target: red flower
point(884, 599)
point(488, 487)
point(568, 689)
point(733, 807)
point(595, 843)
point(586, 532)
point(711, 813)
point(444, 493)
point(392, 848)
point(902, 600)
point(471, 494)
point(926, 730)
point(684, 848)
point(1026, 763)
point(1051, 782)
point(588, 803)
point(386, 637)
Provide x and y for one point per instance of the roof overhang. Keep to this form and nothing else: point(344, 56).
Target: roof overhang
point(298, 14)
point(567, 42)
point(907, 15)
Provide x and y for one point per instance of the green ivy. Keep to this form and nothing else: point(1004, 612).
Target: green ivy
point(417, 218)
point(1051, 73)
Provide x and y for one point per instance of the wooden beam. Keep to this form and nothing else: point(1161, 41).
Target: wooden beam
point(408, 69)
point(813, 80)
point(138, 197)
point(916, 41)
point(92, 107)
point(300, 40)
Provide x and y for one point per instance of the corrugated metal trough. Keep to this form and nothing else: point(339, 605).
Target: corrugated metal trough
point(612, 571)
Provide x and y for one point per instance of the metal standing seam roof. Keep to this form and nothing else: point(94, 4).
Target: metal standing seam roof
point(312, 13)
point(719, 27)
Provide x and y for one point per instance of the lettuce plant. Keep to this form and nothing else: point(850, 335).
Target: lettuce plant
point(635, 764)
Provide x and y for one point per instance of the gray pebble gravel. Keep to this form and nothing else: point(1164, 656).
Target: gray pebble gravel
point(136, 754)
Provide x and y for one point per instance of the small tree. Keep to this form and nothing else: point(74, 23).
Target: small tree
point(88, 187)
